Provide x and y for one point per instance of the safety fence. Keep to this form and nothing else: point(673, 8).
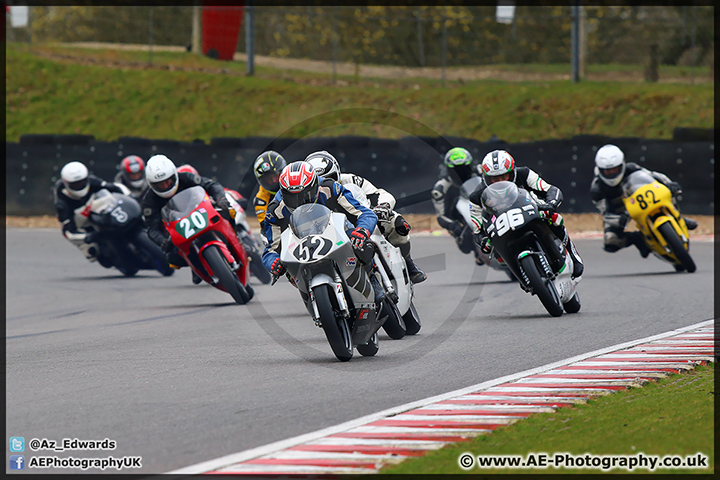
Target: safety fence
point(408, 167)
point(613, 42)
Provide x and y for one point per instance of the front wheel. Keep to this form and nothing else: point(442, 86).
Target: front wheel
point(394, 325)
point(677, 246)
point(335, 326)
point(227, 278)
point(412, 320)
point(542, 287)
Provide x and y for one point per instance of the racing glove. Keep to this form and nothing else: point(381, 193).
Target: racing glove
point(402, 227)
point(359, 238)
point(484, 242)
point(383, 211)
point(277, 268)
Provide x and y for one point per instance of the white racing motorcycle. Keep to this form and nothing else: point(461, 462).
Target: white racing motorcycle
point(323, 265)
point(463, 207)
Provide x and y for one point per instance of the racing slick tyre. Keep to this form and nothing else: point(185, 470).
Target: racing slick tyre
point(335, 326)
point(226, 277)
point(677, 246)
point(412, 320)
point(394, 325)
point(542, 287)
point(572, 305)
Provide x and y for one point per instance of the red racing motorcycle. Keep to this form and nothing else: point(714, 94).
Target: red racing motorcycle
point(208, 243)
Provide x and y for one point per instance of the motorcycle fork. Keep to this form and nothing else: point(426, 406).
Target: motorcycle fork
point(384, 273)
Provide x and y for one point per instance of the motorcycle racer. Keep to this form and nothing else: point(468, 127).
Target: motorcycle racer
point(132, 176)
point(164, 182)
point(459, 168)
point(267, 168)
point(391, 224)
point(499, 165)
point(607, 195)
point(73, 193)
point(300, 185)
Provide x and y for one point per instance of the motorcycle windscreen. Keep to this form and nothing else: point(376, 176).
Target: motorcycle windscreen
point(182, 204)
point(499, 197)
point(309, 219)
point(636, 180)
point(470, 185)
point(103, 202)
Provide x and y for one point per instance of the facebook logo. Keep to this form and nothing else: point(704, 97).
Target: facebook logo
point(17, 444)
point(17, 462)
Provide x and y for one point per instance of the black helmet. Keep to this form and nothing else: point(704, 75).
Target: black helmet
point(267, 169)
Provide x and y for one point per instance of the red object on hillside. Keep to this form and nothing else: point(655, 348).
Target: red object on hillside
point(220, 29)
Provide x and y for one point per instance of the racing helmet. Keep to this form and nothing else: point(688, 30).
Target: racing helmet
point(74, 176)
point(267, 168)
point(132, 170)
point(610, 164)
point(498, 166)
point(299, 184)
point(324, 164)
point(162, 176)
point(459, 165)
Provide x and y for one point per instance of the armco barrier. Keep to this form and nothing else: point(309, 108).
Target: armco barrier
point(408, 167)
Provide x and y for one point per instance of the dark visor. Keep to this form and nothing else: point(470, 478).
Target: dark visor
point(79, 185)
point(164, 185)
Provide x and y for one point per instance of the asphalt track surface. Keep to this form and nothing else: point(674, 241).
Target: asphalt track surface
point(179, 374)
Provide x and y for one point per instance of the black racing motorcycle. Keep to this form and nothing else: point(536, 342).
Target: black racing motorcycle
point(521, 236)
point(121, 235)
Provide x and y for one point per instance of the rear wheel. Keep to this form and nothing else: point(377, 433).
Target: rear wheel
point(542, 287)
point(394, 325)
point(227, 278)
point(573, 305)
point(412, 320)
point(370, 348)
point(335, 326)
point(677, 246)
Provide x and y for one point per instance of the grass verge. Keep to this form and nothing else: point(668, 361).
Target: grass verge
point(674, 416)
point(74, 96)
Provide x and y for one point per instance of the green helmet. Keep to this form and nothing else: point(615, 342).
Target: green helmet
point(456, 157)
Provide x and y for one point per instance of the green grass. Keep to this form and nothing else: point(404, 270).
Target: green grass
point(48, 96)
point(674, 416)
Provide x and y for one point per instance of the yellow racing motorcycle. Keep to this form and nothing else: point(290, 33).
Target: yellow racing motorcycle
point(649, 203)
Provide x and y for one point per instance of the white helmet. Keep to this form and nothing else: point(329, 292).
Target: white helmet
point(162, 176)
point(75, 177)
point(324, 164)
point(610, 164)
point(498, 165)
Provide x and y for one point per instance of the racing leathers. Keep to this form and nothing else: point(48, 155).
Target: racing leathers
point(609, 202)
point(529, 180)
point(261, 200)
point(391, 224)
point(445, 194)
point(152, 206)
point(71, 211)
point(335, 197)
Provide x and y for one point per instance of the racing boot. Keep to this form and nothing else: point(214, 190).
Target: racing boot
point(636, 238)
point(377, 287)
point(691, 224)
point(416, 275)
point(195, 278)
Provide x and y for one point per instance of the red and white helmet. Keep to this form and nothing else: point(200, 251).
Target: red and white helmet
point(299, 184)
point(498, 166)
point(132, 169)
point(188, 169)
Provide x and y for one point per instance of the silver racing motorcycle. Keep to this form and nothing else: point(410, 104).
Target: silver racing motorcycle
point(332, 280)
